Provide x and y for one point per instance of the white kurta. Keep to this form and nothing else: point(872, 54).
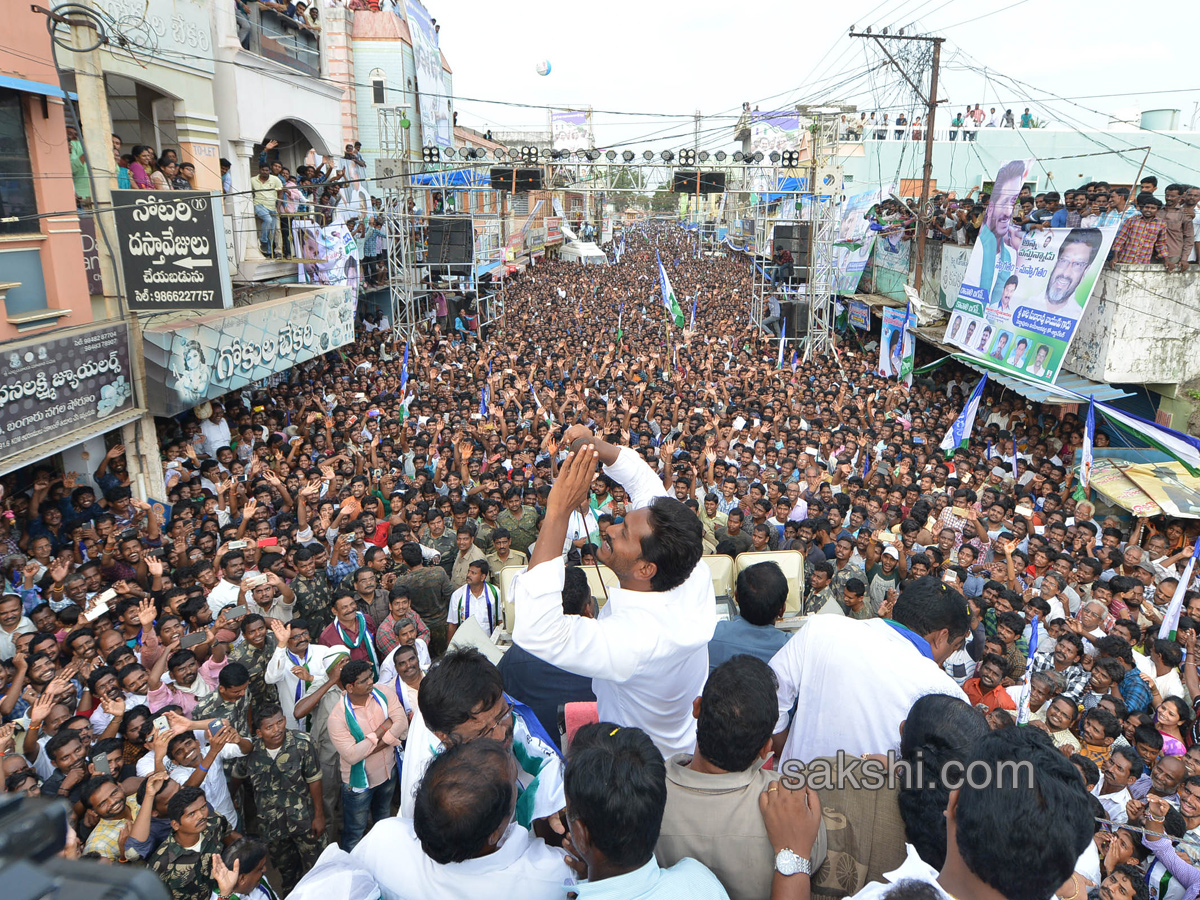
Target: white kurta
point(853, 682)
point(523, 866)
point(646, 652)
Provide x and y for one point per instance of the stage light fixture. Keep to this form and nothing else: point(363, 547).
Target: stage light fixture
point(758, 156)
point(610, 155)
point(774, 157)
point(448, 152)
point(791, 159)
point(430, 154)
point(529, 153)
point(687, 157)
point(737, 156)
point(514, 153)
point(721, 156)
point(595, 155)
point(647, 155)
point(667, 156)
point(546, 153)
point(703, 157)
point(498, 153)
point(628, 155)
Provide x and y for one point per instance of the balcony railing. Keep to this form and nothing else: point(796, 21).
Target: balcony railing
point(275, 36)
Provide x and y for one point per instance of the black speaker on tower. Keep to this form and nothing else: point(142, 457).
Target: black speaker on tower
point(450, 244)
point(794, 238)
point(515, 180)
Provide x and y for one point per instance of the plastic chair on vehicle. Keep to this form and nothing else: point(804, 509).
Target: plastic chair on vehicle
point(792, 564)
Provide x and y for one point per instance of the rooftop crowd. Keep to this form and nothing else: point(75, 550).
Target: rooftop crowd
point(254, 694)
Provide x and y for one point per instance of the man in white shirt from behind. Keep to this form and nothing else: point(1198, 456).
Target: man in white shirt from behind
point(463, 840)
point(859, 678)
point(647, 651)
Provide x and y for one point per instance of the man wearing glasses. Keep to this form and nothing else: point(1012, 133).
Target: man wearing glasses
point(462, 699)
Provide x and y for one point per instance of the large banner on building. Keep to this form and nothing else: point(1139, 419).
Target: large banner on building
point(892, 252)
point(54, 385)
point(897, 345)
point(855, 239)
point(191, 360)
point(954, 267)
point(328, 255)
point(859, 315)
point(571, 129)
point(776, 131)
point(1023, 294)
point(436, 119)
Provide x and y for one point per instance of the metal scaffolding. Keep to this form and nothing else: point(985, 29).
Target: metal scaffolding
point(825, 184)
point(392, 171)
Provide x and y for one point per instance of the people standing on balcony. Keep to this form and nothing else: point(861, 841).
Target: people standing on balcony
point(79, 172)
point(901, 124)
point(970, 124)
point(164, 174)
point(1140, 239)
point(140, 168)
point(992, 120)
point(123, 182)
point(978, 115)
point(1026, 119)
point(266, 190)
point(1007, 121)
point(1191, 197)
point(1179, 236)
point(918, 133)
point(955, 124)
point(185, 177)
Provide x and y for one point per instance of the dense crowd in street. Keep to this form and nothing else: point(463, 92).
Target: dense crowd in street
point(282, 682)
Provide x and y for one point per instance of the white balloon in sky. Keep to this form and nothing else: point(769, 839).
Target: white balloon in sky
point(543, 68)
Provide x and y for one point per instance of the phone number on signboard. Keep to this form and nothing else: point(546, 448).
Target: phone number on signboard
point(174, 296)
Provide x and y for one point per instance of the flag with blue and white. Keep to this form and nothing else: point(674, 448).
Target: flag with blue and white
point(404, 370)
point(668, 295)
point(1089, 437)
point(1170, 622)
point(483, 402)
point(1023, 706)
point(960, 431)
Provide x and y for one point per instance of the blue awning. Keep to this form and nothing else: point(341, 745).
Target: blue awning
point(451, 178)
point(1037, 394)
point(31, 87)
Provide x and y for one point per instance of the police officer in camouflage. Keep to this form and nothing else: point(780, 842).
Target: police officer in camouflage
point(286, 774)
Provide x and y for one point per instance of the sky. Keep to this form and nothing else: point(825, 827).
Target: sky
point(671, 59)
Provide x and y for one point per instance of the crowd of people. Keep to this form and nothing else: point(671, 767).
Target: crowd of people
point(285, 680)
point(875, 126)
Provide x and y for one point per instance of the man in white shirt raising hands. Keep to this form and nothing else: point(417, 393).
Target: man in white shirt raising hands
point(647, 651)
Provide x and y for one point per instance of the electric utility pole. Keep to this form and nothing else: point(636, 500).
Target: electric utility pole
point(931, 105)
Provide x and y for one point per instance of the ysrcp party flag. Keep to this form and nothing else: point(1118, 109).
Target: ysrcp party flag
point(668, 295)
point(1023, 293)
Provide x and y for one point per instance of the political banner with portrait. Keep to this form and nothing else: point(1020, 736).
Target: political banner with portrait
point(437, 128)
point(859, 315)
point(196, 359)
point(855, 239)
point(328, 255)
point(897, 345)
point(571, 129)
point(1023, 294)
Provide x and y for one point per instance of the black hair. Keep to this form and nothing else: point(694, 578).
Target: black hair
point(92, 785)
point(61, 738)
point(460, 684)
point(411, 554)
point(1043, 792)
point(235, 674)
point(181, 800)
point(464, 797)
point(1109, 724)
point(675, 543)
point(938, 731)
point(738, 712)
point(616, 785)
point(927, 605)
point(576, 593)
point(761, 593)
point(1137, 880)
point(352, 671)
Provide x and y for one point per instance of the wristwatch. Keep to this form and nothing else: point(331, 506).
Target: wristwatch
point(788, 862)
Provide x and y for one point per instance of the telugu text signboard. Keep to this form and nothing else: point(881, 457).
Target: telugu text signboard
point(172, 250)
point(200, 359)
point(1023, 293)
point(52, 386)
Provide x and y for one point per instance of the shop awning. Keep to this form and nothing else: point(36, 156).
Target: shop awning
point(33, 87)
point(1037, 394)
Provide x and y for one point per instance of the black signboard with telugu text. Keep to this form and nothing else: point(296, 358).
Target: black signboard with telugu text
point(172, 246)
point(57, 384)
